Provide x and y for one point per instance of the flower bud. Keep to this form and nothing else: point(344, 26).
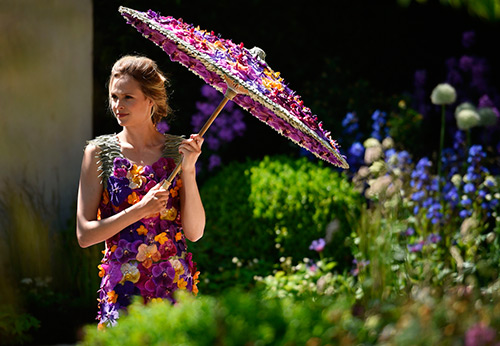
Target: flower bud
point(467, 118)
point(371, 142)
point(464, 105)
point(372, 154)
point(456, 179)
point(377, 167)
point(443, 94)
point(487, 116)
point(388, 143)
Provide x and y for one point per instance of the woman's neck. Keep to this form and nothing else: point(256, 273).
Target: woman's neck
point(140, 137)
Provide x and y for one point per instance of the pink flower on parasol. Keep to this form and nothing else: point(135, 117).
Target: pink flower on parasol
point(243, 76)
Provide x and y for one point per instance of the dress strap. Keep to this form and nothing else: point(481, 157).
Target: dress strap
point(171, 149)
point(109, 149)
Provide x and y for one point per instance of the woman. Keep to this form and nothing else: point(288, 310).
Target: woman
point(121, 200)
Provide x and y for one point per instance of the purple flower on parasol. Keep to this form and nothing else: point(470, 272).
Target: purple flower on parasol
point(243, 76)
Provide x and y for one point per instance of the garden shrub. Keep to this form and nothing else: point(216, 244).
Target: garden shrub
point(456, 316)
point(260, 211)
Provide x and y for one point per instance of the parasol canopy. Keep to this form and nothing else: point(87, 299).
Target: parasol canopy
point(243, 76)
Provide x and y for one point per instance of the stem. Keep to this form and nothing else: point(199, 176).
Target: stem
point(441, 144)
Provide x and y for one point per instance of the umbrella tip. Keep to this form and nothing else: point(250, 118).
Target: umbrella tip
point(258, 53)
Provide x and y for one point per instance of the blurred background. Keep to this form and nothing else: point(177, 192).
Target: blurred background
point(340, 56)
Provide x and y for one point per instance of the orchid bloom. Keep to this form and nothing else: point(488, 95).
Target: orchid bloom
point(147, 254)
point(130, 273)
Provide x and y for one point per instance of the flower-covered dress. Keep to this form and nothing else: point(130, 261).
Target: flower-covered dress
point(148, 258)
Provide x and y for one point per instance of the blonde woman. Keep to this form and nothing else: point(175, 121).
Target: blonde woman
point(122, 203)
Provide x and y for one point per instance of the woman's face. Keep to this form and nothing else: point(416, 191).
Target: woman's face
point(129, 105)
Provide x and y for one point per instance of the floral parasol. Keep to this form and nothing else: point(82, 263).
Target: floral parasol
point(242, 75)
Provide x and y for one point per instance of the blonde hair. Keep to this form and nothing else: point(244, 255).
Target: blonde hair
point(152, 81)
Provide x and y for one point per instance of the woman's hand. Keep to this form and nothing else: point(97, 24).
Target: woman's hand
point(154, 201)
point(190, 150)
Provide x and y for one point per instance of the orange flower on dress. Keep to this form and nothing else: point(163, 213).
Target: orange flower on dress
point(112, 297)
point(182, 284)
point(195, 289)
point(161, 238)
point(105, 197)
point(102, 272)
point(174, 191)
point(133, 198)
point(142, 230)
point(147, 254)
point(178, 236)
point(135, 177)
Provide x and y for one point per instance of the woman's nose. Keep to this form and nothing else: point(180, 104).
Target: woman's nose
point(119, 104)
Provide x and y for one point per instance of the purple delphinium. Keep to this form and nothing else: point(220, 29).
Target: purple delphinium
point(379, 130)
point(162, 126)
point(356, 155)
point(468, 39)
point(227, 126)
point(350, 123)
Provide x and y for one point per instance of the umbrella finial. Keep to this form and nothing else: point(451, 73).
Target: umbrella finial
point(258, 53)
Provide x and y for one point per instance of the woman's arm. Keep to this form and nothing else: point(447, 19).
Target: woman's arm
point(193, 213)
point(91, 231)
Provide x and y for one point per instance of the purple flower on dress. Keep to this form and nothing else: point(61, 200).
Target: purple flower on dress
point(318, 245)
point(112, 277)
point(118, 190)
point(125, 250)
point(163, 274)
point(109, 315)
point(121, 167)
point(125, 292)
point(162, 167)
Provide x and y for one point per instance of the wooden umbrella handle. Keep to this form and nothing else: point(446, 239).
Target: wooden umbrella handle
point(232, 90)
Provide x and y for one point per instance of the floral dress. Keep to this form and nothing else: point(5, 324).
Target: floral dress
point(148, 258)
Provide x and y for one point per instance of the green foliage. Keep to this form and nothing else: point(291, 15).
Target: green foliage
point(260, 211)
point(236, 318)
point(16, 327)
point(486, 9)
point(308, 279)
point(47, 279)
point(426, 317)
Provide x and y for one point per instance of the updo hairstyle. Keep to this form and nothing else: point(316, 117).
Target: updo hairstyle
point(152, 81)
